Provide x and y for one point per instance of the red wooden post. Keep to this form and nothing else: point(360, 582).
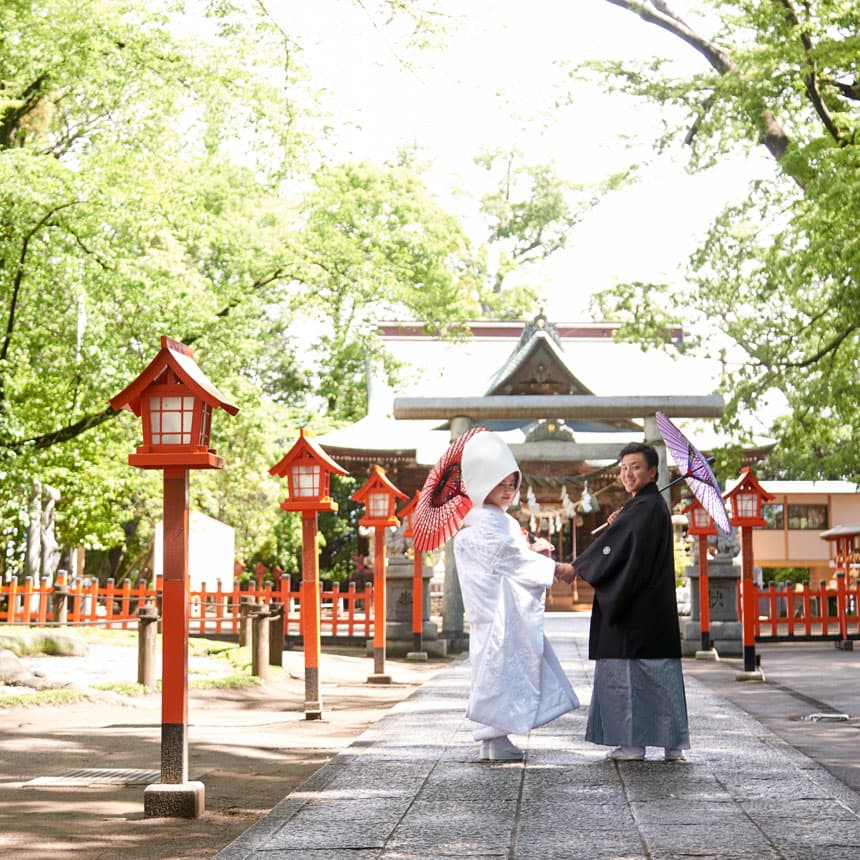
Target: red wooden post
point(335, 607)
point(350, 609)
point(704, 594)
point(311, 615)
point(110, 591)
point(77, 601)
point(807, 609)
point(43, 602)
point(12, 601)
point(406, 514)
point(842, 607)
point(368, 607)
point(174, 679)
point(379, 608)
point(824, 606)
point(749, 600)
point(417, 600)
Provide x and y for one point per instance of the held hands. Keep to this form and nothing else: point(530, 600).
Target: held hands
point(565, 572)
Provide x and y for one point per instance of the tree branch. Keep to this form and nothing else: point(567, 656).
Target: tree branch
point(70, 431)
point(17, 283)
point(810, 79)
point(657, 12)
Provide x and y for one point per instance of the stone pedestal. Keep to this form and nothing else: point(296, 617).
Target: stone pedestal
point(398, 623)
point(179, 800)
point(725, 629)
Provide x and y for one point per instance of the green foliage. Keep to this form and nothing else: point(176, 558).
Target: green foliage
point(131, 208)
point(156, 179)
point(340, 529)
point(530, 214)
point(772, 290)
point(786, 574)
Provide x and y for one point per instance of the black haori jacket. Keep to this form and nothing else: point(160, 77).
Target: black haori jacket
point(632, 569)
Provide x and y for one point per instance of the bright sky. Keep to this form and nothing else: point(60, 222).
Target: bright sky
point(495, 84)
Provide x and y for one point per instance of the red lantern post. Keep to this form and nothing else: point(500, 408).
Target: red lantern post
point(378, 495)
point(175, 401)
point(702, 526)
point(308, 470)
point(745, 501)
point(406, 515)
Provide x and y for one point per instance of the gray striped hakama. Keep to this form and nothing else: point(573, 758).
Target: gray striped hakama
point(638, 703)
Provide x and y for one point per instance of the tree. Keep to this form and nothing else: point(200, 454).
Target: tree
point(777, 274)
point(130, 207)
point(376, 246)
point(530, 215)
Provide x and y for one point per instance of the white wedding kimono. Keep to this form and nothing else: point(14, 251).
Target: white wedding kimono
point(517, 680)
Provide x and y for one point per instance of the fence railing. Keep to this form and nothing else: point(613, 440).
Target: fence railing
point(83, 602)
point(828, 611)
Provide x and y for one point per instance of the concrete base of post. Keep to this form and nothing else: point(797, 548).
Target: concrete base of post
point(313, 711)
point(180, 800)
point(710, 654)
point(378, 679)
point(417, 656)
point(755, 675)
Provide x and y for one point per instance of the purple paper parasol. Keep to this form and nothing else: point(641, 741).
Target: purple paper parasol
point(696, 471)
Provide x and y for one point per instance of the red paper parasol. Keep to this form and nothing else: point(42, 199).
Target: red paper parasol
point(696, 471)
point(443, 502)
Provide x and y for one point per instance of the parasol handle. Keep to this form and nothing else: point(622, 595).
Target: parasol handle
point(672, 483)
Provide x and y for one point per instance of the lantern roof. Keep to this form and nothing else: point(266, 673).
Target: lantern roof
point(409, 508)
point(747, 481)
point(179, 358)
point(306, 447)
point(693, 526)
point(405, 513)
point(377, 480)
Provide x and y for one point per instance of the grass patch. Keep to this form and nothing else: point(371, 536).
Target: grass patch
point(232, 669)
point(44, 697)
point(123, 688)
point(225, 682)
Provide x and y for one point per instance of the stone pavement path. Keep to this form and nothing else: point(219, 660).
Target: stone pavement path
point(410, 787)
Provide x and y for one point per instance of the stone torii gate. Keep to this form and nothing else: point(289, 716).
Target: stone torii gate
point(464, 412)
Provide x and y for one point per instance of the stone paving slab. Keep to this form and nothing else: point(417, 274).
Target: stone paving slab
point(411, 787)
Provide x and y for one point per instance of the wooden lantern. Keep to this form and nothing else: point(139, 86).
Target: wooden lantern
point(308, 470)
point(175, 401)
point(379, 496)
point(745, 500)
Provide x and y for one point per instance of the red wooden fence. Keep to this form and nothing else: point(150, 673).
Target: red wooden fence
point(344, 613)
point(803, 613)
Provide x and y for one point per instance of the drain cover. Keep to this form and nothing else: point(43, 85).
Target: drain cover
point(828, 718)
point(95, 777)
